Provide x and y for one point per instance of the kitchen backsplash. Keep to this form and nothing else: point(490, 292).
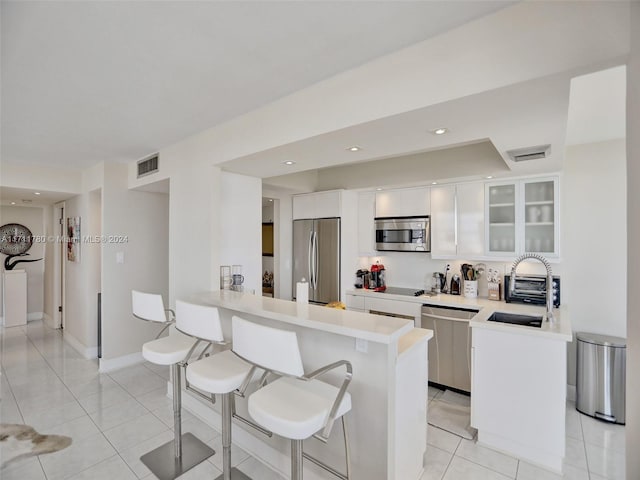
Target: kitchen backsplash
point(415, 270)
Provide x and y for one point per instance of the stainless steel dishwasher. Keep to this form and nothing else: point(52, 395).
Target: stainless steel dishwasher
point(450, 349)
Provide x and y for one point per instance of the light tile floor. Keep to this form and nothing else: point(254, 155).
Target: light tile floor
point(594, 451)
point(115, 418)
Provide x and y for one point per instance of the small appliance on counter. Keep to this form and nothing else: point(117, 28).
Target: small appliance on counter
point(362, 278)
point(454, 289)
point(377, 282)
point(531, 289)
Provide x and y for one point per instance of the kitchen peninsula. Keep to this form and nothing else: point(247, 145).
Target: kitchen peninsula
point(518, 373)
point(387, 424)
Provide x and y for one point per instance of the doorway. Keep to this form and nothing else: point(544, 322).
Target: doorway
point(269, 250)
point(59, 265)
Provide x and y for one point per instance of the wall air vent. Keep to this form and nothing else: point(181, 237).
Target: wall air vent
point(148, 165)
point(529, 153)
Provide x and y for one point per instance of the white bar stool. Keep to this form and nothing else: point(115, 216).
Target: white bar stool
point(184, 452)
point(295, 406)
point(221, 373)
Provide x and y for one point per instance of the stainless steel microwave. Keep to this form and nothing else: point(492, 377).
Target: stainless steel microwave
point(403, 234)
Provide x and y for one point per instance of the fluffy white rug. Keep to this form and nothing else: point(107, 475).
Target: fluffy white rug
point(18, 441)
point(451, 412)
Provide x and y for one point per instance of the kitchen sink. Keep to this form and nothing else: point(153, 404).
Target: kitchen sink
point(516, 319)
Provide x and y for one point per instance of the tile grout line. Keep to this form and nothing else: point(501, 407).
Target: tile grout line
point(101, 432)
point(584, 447)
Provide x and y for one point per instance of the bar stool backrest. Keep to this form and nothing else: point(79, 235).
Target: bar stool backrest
point(201, 321)
point(148, 306)
point(269, 348)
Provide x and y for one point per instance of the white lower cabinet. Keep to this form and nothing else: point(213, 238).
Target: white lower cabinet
point(518, 396)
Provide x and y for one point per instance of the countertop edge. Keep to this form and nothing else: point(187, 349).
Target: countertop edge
point(243, 303)
point(560, 331)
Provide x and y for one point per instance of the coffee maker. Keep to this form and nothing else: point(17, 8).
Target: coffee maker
point(362, 278)
point(377, 282)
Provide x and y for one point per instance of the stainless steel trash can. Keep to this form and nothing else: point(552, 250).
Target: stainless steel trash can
point(600, 380)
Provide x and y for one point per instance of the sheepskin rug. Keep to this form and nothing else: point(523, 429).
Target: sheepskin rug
point(19, 441)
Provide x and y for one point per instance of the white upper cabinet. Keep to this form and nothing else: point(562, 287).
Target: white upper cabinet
point(317, 205)
point(366, 225)
point(522, 216)
point(443, 221)
point(470, 218)
point(404, 202)
point(457, 221)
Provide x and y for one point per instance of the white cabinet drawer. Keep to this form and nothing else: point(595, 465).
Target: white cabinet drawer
point(355, 302)
point(394, 307)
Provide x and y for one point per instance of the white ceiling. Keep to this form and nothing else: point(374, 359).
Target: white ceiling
point(22, 197)
point(84, 82)
point(522, 115)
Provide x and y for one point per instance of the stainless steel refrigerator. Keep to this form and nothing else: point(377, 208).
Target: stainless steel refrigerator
point(316, 257)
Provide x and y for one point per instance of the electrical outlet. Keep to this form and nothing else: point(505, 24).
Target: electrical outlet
point(119, 257)
point(362, 345)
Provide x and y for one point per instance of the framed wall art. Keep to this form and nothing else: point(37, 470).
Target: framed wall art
point(73, 239)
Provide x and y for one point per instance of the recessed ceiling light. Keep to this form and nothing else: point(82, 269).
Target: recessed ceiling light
point(271, 199)
point(289, 162)
point(434, 183)
point(440, 131)
point(379, 188)
point(489, 176)
point(13, 203)
point(36, 193)
point(355, 148)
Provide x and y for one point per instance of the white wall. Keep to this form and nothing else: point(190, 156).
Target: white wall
point(633, 240)
point(594, 236)
point(144, 218)
point(593, 240)
point(81, 287)
point(51, 231)
point(33, 219)
point(241, 226)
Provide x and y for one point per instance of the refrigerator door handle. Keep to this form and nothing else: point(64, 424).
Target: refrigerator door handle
point(310, 259)
point(315, 260)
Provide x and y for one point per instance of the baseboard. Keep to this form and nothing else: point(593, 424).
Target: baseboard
point(571, 393)
point(87, 352)
point(272, 458)
point(35, 316)
point(109, 365)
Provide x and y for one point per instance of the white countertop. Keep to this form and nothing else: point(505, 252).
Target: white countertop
point(560, 330)
point(374, 328)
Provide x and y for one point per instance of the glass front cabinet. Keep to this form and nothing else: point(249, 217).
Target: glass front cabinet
point(522, 216)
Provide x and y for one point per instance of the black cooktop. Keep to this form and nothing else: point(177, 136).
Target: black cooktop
point(410, 292)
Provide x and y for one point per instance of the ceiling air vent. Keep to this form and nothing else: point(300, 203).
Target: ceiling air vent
point(148, 166)
point(529, 153)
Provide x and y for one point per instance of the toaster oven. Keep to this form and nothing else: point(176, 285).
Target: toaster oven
point(531, 289)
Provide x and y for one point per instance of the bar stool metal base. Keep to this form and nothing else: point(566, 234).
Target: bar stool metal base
point(235, 475)
point(163, 463)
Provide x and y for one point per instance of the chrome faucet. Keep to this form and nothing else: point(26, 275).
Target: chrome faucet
point(545, 262)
